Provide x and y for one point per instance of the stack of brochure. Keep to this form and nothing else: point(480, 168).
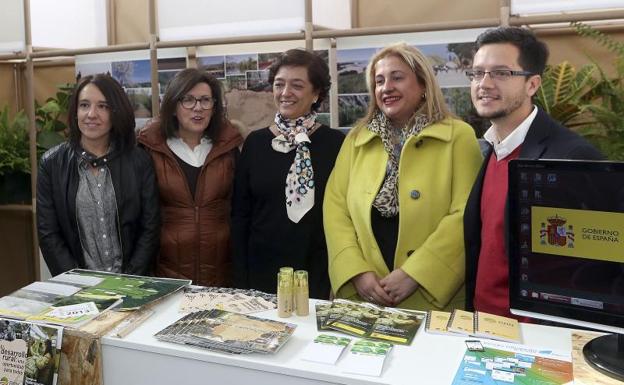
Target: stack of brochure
point(325, 349)
point(225, 298)
point(366, 357)
point(228, 332)
point(361, 319)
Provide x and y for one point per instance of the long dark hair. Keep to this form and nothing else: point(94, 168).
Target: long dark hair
point(182, 83)
point(122, 134)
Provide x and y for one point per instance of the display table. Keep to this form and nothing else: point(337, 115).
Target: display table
point(141, 359)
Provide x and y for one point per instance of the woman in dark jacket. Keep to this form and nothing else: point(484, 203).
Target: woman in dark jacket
point(194, 148)
point(97, 199)
point(277, 217)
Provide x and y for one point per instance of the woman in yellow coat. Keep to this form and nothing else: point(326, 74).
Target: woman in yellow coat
point(394, 202)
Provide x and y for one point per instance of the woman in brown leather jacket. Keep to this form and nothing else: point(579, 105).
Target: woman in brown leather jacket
point(194, 149)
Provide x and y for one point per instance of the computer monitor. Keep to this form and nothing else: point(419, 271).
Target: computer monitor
point(566, 249)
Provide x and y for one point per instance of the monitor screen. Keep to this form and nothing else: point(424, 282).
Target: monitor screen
point(566, 242)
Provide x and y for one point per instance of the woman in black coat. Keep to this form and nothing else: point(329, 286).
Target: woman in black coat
point(97, 199)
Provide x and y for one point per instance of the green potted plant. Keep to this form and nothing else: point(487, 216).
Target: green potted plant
point(565, 91)
point(606, 130)
point(14, 143)
point(14, 158)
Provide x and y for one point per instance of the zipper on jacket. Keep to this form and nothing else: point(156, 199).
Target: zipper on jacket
point(198, 245)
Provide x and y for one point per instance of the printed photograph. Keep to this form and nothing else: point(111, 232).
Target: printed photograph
point(132, 73)
point(215, 65)
point(266, 59)
point(235, 82)
point(448, 66)
point(141, 99)
point(324, 118)
point(85, 69)
point(258, 81)
point(351, 108)
point(351, 65)
point(167, 69)
point(239, 64)
point(458, 100)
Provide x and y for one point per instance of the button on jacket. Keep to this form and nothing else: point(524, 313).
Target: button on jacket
point(136, 197)
point(195, 236)
point(435, 178)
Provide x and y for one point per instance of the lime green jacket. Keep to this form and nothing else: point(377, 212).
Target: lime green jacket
point(436, 172)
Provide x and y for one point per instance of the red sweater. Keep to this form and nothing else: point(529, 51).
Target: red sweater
point(492, 287)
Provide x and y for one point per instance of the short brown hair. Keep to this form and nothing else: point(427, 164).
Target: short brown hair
point(318, 71)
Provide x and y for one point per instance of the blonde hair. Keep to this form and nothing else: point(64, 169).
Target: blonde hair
point(434, 106)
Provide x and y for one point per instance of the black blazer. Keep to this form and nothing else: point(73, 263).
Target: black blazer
point(138, 209)
point(546, 139)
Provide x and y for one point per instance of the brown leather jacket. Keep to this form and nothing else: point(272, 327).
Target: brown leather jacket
point(195, 232)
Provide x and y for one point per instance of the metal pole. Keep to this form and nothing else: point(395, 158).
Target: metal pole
point(111, 30)
point(333, 91)
point(566, 17)
point(309, 27)
point(505, 12)
point(441, 26)
point(154, 58)
point(355, 14)
point(32, 137)
point(84, 51)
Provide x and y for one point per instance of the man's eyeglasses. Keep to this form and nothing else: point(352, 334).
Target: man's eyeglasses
point(478, 75)
point(189, 102)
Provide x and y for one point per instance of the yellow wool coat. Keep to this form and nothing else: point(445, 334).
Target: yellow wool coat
point(436, 172)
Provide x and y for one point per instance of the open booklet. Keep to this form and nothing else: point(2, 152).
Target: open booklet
point(77, 296)
point(30, 352)
point(361, 319)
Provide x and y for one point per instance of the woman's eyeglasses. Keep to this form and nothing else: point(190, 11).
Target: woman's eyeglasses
point(478, 75)
point(189, 102)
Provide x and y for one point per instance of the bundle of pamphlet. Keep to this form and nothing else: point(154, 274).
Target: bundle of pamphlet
point(242, 301)
point(365, 357)
point(77, 296)
point(30, 352)
point(228, 332)
point(477, 324)
point(366, 320)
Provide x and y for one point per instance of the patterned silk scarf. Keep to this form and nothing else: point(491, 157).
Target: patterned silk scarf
point(300, 177)
point(387, 199)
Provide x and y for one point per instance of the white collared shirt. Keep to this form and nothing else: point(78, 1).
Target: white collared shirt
point(196, 156)
point(505, 147)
